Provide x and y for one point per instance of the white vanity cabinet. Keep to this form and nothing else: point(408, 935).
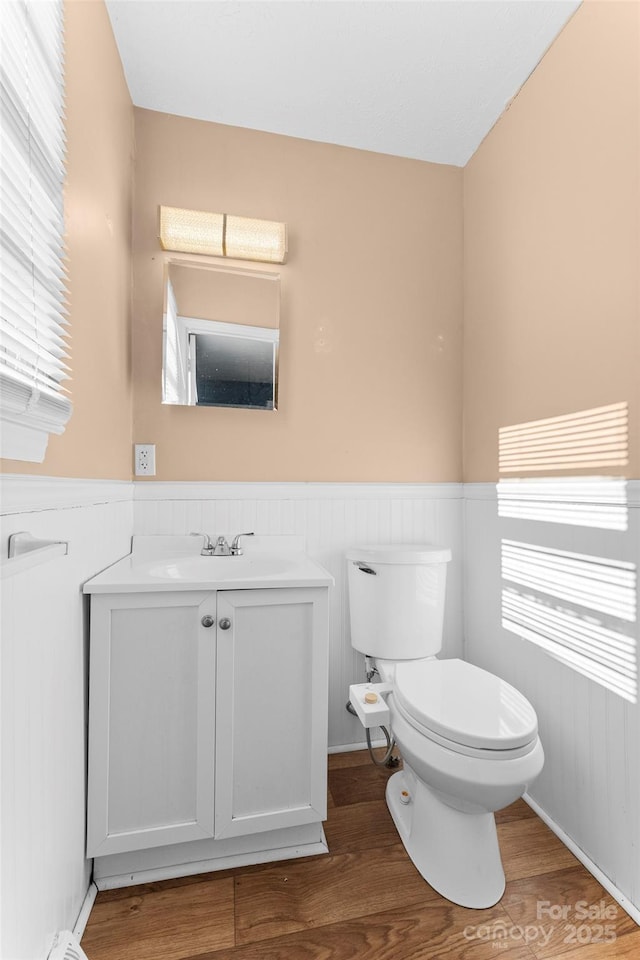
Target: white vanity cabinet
point(205, 732)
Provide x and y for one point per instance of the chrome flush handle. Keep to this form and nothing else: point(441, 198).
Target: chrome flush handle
point(364, 567)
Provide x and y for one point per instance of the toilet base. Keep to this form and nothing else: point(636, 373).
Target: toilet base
point(456, 853)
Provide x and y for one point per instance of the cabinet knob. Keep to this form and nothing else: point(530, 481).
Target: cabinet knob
point(225, 623)
point(207, 621)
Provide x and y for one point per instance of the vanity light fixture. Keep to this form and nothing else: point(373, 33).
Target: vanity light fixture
point(222, 235)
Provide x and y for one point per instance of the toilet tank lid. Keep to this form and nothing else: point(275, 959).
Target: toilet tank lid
point(416, 553)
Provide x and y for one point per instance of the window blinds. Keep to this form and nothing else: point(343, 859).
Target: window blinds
point(33, 317)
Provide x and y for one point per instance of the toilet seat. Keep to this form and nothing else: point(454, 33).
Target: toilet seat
point(452, 747)
point(465, 707)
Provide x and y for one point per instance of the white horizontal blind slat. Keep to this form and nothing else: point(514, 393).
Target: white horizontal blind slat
point(33, 313)
point(13, 201)
point(40, 263)
point(14, 316)
point(17, 391)
point(29, 284)
point(28, 351)
point(43, 381)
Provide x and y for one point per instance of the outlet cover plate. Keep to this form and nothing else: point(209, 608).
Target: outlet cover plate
point(145, 459)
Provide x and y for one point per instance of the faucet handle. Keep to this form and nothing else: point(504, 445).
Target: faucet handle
point(207, 545)
point(235, 549)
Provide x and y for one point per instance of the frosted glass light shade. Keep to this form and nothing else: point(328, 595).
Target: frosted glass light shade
point(191, 231)
point(221, 235)
point(256, 239)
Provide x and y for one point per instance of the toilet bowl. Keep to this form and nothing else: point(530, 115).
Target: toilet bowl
point(468, 752)
point(469, 740)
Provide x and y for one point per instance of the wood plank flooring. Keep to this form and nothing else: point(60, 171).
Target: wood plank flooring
point(366, 901)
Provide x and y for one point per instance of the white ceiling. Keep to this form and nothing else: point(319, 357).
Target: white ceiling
point(416, 78)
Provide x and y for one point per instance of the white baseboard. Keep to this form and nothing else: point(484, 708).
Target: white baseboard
point(361, 745)
point(208, 866)
point(85, 910)
point(610, 887)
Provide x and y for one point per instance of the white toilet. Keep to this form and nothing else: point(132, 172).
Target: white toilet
point(469, 741)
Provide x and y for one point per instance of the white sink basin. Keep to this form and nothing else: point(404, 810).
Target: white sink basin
point(173, 563)
point(209, 569)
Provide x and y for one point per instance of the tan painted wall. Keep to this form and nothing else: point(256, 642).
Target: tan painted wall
point(552, 254)
point(370, 372)
point(97, 441)
point(371, 382)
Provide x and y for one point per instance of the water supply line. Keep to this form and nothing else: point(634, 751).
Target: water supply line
point(388, 760)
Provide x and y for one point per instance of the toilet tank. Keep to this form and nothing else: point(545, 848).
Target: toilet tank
point(396, 599)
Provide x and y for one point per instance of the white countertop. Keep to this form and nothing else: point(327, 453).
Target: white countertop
point(168, 564)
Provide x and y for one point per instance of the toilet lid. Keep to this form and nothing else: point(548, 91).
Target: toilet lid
point(463, 703)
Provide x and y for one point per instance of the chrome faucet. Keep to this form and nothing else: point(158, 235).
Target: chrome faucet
point(207, 549)
point(236, 551)
point(221, 548)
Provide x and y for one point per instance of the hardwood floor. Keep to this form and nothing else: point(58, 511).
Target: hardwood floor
point(366, 901)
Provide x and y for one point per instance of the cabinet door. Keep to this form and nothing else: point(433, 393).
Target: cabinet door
point(271, 712)
point(151, 721)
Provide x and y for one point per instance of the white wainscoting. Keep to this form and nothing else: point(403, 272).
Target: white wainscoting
point(331, 517)
point(44, 874)
point(590, 785)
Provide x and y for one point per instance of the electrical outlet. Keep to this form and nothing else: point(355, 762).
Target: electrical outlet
point(145, 459)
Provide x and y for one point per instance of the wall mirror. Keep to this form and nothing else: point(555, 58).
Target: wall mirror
point(220, 336)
